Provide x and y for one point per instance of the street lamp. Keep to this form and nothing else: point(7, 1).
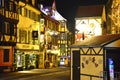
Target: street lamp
point(83, 28)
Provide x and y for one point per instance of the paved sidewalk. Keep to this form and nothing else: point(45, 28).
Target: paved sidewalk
point(42, 71)
point(25, 73)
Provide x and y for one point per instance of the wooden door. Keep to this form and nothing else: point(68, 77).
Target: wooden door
point(76, 65)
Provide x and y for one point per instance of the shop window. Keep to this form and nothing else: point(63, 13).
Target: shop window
point(19, 60)
point(6, 55)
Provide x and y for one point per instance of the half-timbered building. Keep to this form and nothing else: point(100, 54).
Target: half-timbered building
point(8, 32)
point(96, 58)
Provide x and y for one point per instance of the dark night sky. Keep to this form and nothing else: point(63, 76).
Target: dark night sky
point(68, 8)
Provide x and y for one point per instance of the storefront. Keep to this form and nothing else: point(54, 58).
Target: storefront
point(26, 56)
point(6, 58)
point(52, 58)
point(96, 58)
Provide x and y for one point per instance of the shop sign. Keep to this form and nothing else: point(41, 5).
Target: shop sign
point(26, 46)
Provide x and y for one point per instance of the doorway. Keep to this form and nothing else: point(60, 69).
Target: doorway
point(76, 65)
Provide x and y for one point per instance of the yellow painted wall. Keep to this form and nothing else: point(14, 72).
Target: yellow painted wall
point(26, 23)
point(91, 64)
point(29, 7)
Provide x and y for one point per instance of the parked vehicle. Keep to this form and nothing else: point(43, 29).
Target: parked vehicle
point(63, 61)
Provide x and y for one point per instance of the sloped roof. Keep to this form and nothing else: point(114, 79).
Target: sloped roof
point(97, 41)
point(89, 11)
point(57, 16)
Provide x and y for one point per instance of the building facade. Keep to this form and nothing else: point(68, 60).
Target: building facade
point(30, 38)
point(63, 40)
point(89, 25)
point(27, 50)
point(49, 40)
point(113, 17)
point(9, 19)
point(96, 58)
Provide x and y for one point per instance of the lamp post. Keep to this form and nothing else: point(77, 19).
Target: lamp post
point(80, 31)
point(83, 28)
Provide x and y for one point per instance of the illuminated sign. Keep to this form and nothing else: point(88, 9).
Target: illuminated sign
point(111, 68)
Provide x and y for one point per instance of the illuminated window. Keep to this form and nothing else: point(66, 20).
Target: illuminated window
point(20, 10)
point(63, 36)
point(62, 49)
point(23, 36)
point(25, 12)
point(33, 15)
point(15, 30)
point(28, 13)
point(37, 17)
point(7, 28)
point(11, 6)
point(28, 36)
point(62, 24)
